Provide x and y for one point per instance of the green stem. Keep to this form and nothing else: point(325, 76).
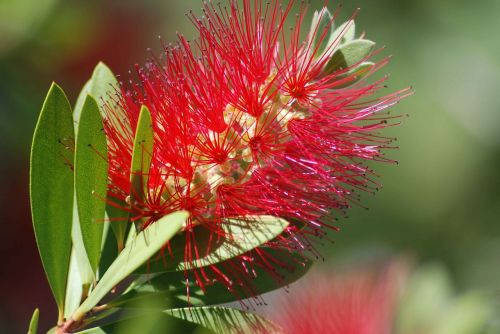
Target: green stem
point(60, 316)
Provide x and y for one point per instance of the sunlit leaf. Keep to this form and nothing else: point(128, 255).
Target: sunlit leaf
point(243, 236)
point(321, 28)
point(349, 54)
point(76, 284)
point(99, 86)
point(148, 322)
point(224, 319)
point(81, 274)
point(33, 328)
point(346, 32)
point(354, 75)
point(145, 245)
point(169, 289)
point(189, 320)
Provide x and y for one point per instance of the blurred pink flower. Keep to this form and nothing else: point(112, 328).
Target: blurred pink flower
point(355, 302)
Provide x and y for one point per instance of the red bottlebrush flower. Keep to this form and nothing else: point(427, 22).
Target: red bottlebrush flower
point(250, 121)
point(355, 302)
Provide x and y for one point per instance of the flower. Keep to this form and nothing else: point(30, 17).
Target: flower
point(360, 301)
point(250, 121)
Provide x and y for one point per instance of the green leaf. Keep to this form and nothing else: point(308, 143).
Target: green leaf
point(345, 33)
point(91, 174)
point(246, 234)
point(33, 329)
point(118, 222)
point(81, 275)
point(186, 320)
point(109, 250)
point(145, 245)
point(76, 285)
point(51, 188)
point(141, 158)
point(189, 320)
point(224, 319)
point(98, 86)
point(149, 322)
point(169, 289)
point(321, 28)
point(348, 55)
point(90, 178)
point(353, 75)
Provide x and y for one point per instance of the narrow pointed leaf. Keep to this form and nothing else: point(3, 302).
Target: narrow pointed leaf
point(354, 75)
point(190, 320)
point(141, 158)
point(51, 188)
point(345, 33)
point(149, 322)
point(246, 234)
point(349, 54)
point(79, 258)
point(225, 320)
point(145, 245)
point(75, 286)
point(119, 223)
point(91, 173)
point(99, 86)
point(169, 289)
point(109, 250)
point(321, 29)
point(33, 329)
point(291, 267)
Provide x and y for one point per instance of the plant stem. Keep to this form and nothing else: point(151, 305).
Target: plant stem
point(60, 316)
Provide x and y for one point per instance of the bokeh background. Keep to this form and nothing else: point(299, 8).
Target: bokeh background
point(440, 205)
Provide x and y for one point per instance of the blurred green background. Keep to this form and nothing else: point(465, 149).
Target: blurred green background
point(441, 203)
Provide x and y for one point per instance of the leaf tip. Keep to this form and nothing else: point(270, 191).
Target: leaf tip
point(89, 100)
point(54, 89)
point(33, 326)
point(144, 109)
point(101, 66)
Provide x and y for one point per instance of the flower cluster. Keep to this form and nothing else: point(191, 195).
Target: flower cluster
point(251, 119)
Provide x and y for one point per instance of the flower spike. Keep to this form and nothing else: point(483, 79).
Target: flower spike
point(250, 120)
